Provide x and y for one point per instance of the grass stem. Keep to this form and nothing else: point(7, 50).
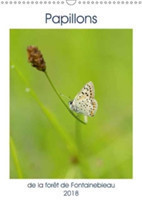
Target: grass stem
point(70, 144)
point(52, 85)
point(15, 158)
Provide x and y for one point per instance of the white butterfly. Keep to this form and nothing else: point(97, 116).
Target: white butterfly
point(84, 101)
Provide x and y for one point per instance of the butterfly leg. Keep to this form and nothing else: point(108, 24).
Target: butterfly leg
point(85, 119)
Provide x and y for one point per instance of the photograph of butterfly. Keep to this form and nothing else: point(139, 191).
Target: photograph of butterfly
point(84, 102)
point(89, 134)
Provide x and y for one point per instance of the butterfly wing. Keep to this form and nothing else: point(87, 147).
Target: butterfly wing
point(84, 101)
point(94, 108)
point(88, 90)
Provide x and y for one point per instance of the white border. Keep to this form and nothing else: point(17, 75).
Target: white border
point(125, 16)
point(72, 2)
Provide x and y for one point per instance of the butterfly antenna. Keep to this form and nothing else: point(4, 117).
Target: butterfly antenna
point(65, 96)
point(85, 119)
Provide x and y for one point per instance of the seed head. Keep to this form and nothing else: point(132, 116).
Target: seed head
point(35, 57)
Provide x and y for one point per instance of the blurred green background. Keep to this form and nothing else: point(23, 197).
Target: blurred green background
point(73, 57)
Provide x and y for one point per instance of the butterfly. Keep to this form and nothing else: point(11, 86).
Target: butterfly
point(84, 102)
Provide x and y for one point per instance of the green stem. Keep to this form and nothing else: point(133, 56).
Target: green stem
point(83, 164)
point(62, 99)
point(65, 136)
point(78, 134)
point(15, 158)
point(70, 144)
